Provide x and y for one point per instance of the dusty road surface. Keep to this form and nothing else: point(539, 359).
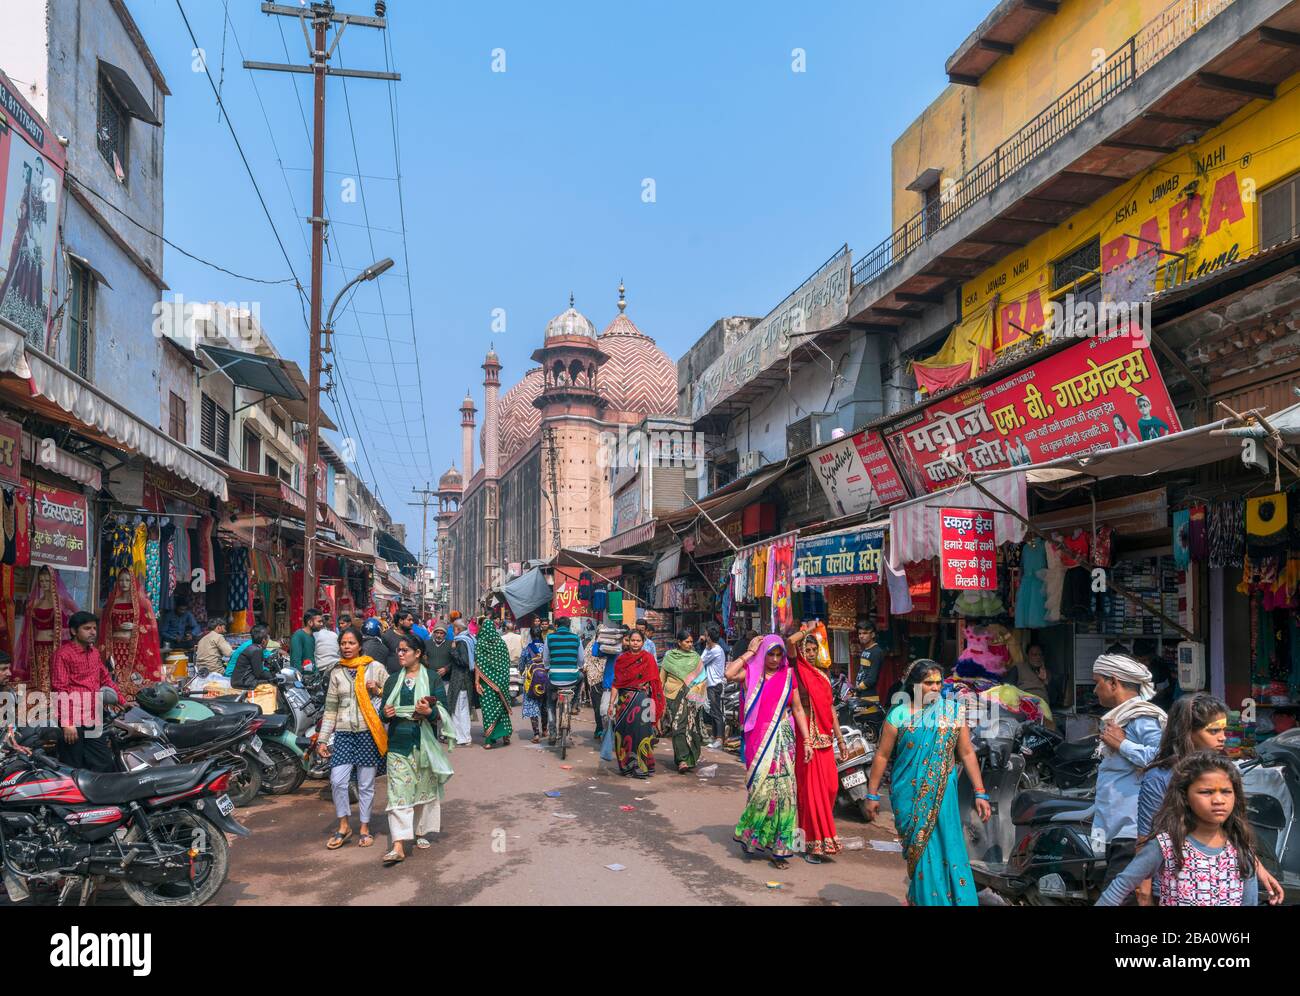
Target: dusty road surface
point(505, 842)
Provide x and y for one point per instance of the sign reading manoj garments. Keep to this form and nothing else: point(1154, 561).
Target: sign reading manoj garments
point(31, 184)
point(968, 557)
point(1102, 393)
point(857, 473)
point(60, 529)
point(821, 302)
point(851, 556)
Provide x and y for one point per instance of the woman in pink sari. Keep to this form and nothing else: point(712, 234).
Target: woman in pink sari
point(128, 633)
point(770, 820)
point(43, 629)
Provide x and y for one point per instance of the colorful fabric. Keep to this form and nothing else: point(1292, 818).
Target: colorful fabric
point(370, 715)
point(923, 793)
point(640, 671)
point(493, 660)
point(1227, 529)
point(634, 731)
point(770, 819)
point(1204, 879)
point(128, 635)
point(684, 716)
point(153, 574)
point(355, 749)
point(138, 542)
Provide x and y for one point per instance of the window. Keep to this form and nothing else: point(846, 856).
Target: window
point(252, 451)
point(272, 466)
point(113, 130)
point(176, 424)
point(798, 435)
point(1280, 212)
point(277, 421)
point(81, 317)
point(287, 477)
point(1077, 264)
point(214, 428)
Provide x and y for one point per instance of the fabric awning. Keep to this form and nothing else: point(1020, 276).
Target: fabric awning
point(269, 493)
point(669, 566)
point(629, 537)
point(57, 393)
point(914, 525)
point(63, 463)
point(595, 561)
point(527, 593)
point(326, 548)
point(735, 497)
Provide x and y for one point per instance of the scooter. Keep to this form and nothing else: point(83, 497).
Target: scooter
point(1272, 784)
point(1053, 761)
point(853, 768)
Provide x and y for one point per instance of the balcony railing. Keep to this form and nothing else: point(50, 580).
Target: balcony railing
point(1156, 39)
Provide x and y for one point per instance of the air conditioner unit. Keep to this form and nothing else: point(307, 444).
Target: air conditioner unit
point(750, 462)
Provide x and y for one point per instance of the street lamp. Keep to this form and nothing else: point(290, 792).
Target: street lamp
point(313, 432)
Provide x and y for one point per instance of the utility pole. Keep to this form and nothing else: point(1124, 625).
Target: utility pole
point(426, 495)
point(552, 470)
point(322, 16)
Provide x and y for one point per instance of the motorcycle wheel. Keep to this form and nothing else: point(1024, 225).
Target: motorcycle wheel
point(1033, 897)
point(288, 773)
point(184, 826)
point(245, 782)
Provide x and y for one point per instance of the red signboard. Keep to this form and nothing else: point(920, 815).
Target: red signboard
point(564, 600)
point(885, 481)
point(60, 532)
point(968, 556)
point(11, 451)
point(1102, 393)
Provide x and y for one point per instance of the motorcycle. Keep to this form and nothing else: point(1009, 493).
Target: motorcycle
point(863, 712)
point(853, 768)
point(142, 741)
point(160, 832)
point(1272, 784)
point(1051, 760)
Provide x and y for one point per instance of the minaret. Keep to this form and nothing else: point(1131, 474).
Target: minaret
point(491, 412)
point(467, 411)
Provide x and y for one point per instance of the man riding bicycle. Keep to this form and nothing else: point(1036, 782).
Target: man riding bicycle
point(562, 656)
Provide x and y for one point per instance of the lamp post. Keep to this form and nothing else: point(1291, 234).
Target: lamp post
point(313, 430)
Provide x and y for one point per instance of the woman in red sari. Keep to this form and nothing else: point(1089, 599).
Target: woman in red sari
point(636, 705)
point(817, 780)
point(128, 634)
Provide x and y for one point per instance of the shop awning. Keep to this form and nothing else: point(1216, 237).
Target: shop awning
point(568, 557)
point(255, 372)
point(527, 593)
point(719, 506)
point(670, 565)
point(52, 392)
point(635, 536)
point(914, 525)
point(327, 549)
point(268, 493)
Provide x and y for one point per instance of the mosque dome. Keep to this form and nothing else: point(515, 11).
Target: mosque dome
point(570, 322)
point(519, 416)
point(638, 376)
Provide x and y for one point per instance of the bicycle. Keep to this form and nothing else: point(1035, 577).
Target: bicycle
point(562, 718)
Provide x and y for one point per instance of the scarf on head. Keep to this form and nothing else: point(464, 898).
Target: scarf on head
point(681, 664)
point(1124, 668)
point(754, 678)
point(374, 724)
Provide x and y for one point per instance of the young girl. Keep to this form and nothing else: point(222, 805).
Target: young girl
point(1202, 851)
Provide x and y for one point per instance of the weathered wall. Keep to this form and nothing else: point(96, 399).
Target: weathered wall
point(176, 376)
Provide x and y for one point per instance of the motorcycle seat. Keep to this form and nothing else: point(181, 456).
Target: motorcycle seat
point(273, 724)
point(1046, 807)
point(1076, 750)
point(184, 736)
point(104, 788)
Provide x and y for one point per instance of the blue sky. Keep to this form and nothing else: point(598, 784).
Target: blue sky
point(519, 187)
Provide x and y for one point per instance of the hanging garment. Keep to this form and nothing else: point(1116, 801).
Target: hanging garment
point(842, 607)
point(781, 570)
point(1053, 578)
point(237, 579)
point(1182, 538)
point(153, 574)
point(899, 593)
point(1031, 599)
point(205, 549)
point(584, 586)
point(615, 610)
point(1267, 525)
point(22, 520)
point(1102, 545)
point(167, 564)
point(9, 528)
point(1227, 529)
point(599, 599)
point(139, 564)
point(1198, 541)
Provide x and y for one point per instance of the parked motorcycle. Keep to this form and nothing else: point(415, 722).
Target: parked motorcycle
point(1272, 784)
point(853, 767)
point(160, 831)
point(1053, 761)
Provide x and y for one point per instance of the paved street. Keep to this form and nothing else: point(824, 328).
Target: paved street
point(502, 843)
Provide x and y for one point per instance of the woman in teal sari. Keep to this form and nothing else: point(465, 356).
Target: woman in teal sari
point(925, 737)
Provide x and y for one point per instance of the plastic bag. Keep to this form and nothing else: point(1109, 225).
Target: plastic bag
point(607, 742)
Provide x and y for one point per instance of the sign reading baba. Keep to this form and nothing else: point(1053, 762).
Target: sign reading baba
point(857, 473)
point(967, 549)
point(1099, 394)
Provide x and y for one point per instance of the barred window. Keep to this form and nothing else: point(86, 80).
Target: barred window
point(81, 315)
point(1077, 263)
point(112, 131)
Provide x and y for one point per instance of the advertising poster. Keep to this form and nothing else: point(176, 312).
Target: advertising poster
point(968, 559)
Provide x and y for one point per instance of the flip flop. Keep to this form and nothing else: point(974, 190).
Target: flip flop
point(337, 840)
point(537, 740)
point(366, 840)
point(422, 843)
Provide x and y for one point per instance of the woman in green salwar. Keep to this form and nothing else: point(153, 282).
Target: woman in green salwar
point(492, 680)
point(682, 674)
point(415, 708)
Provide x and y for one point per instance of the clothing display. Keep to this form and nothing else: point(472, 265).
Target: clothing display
point(1031, 598)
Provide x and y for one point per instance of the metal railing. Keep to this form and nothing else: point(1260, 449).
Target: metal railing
point(1156, 39)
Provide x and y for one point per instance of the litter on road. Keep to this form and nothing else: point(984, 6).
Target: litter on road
point(616, 867)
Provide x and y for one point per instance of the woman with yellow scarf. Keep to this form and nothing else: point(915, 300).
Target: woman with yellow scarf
point(682, 674)
point(352, 734)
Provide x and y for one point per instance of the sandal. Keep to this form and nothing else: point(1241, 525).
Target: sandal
point(537, 739)
point(423, 844)
point(365, 840)
point(813, 859)
point(337, 840)
point(780, 864)
point(393, 858)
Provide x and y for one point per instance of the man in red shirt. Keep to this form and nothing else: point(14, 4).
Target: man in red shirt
point(77, 673)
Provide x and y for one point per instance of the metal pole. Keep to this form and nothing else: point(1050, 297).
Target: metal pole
point(321, 20)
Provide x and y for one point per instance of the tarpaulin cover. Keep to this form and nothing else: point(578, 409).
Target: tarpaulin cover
point(527, 593)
